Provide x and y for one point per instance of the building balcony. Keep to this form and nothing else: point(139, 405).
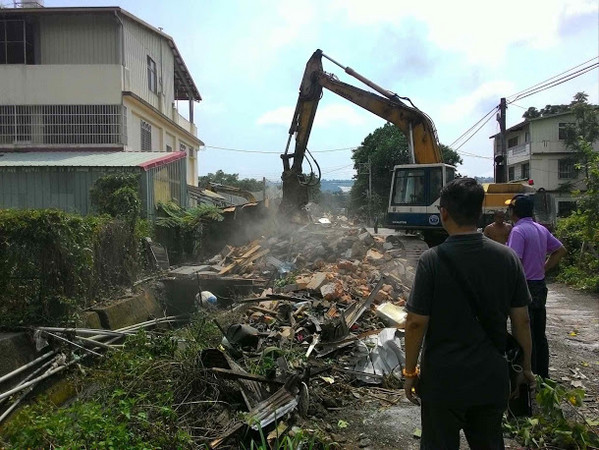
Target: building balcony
point(184, 123)
point(518, 153)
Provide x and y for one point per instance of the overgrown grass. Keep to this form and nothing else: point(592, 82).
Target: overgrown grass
point(298, 439)
point(152, 394)
point(140, 397)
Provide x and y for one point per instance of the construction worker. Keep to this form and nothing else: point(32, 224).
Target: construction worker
point(532, 243)
point(499, 230)
point(464, 382)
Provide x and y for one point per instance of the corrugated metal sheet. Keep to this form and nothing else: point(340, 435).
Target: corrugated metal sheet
point(165, 183)
point(84, 159)
point(63, 179)
point(65, 188)
point(79, 39)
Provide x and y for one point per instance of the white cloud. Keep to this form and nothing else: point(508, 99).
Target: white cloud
point(482, 31)
point(326, 116)
point(471, 104)
point(279, 116)
point(333, 113)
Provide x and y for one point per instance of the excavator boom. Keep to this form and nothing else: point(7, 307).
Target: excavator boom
point(416, 125)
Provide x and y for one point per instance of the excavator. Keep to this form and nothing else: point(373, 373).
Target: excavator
point(415, 187)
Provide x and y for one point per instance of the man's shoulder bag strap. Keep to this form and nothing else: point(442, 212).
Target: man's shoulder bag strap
point(467, 288)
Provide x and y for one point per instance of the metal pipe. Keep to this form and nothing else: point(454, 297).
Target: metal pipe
point(72, 343)
point(94, 342)
point(31, 375)
point(84, 331)
point(34, 373)
point(387, 93)
point(26, 366)
point(154, 321)
point(46, 375)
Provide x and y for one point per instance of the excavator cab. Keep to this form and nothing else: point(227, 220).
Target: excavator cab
point(414, 196)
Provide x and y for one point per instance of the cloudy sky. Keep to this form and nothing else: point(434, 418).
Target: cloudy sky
point(454, 60)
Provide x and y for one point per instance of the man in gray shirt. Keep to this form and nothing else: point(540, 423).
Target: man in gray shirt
point(464, 381)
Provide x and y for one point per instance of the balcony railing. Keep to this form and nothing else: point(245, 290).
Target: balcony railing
point(62, 124)
point(519, 150)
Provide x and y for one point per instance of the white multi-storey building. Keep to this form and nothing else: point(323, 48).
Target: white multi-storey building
point(536, 153)
point(97, 79)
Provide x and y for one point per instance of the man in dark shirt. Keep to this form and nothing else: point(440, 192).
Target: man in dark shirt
point(464, 382)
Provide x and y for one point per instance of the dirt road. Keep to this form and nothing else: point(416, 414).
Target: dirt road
point(573, 333)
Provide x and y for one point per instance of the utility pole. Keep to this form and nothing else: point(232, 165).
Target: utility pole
point(369, 190)
point(501, 170)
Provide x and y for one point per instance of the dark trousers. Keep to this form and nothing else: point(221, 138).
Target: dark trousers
point(481, 424)
point(538, 321)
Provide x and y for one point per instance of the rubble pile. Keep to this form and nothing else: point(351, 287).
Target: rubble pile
point(310, 322)
point(326, 324)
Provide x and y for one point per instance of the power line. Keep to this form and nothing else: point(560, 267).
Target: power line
point(552, 78)
point(472, 135)
point(269, 152)
point(552, 82)
point(472, 127)
point(338, 169)
point(555, 80)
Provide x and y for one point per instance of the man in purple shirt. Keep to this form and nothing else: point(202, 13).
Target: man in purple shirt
point(532, 243)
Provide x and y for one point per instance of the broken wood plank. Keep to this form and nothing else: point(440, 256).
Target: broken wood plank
point(228, 268)
point(363, 305)
point(252, 250)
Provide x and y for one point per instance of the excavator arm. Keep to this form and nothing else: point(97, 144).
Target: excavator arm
point(416, 125)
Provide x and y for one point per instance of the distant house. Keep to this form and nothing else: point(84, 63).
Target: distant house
point(93, 80)
point(536, 153)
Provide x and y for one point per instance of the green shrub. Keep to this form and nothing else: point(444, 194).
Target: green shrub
point(117, 195)
point(46, 261)
point(53, 263)
point(183, 231)
point(580, 268)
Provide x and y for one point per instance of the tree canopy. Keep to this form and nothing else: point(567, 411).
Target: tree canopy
point(549, 110)
point(231, 179)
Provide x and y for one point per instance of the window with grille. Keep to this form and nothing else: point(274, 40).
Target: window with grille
point(564, 209)
point(525, 171)
point(146, 136)
point(512, 142)
point(511, 174)
point(566, 169)
point(169, 148)
point(152, 75)
point(16, 42)
point(61, 124)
